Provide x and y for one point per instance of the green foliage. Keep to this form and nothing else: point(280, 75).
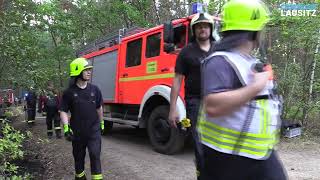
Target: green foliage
point(39, 39)
point(292, 43)
point(10, 150)
point(13, 112)
point(8, 114)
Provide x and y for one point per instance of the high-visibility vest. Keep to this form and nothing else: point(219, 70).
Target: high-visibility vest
point(253, 129)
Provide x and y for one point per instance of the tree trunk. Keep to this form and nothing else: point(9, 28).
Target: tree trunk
point(314, 64)
point(59, 60)
point(157, 11)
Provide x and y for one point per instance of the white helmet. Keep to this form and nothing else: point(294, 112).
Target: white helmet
point(202, 18)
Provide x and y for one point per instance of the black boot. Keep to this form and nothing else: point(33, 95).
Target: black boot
point(58, 134)
point(49, 134)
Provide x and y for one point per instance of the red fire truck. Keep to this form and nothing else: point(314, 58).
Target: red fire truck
point(134, 70)
point(6, 97)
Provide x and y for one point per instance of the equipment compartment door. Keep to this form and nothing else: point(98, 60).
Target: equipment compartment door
point(104, 74)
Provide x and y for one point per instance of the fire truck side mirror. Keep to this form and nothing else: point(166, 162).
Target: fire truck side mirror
point(168, 33)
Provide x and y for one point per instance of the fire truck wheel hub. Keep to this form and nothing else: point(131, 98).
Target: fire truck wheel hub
point(162, 130)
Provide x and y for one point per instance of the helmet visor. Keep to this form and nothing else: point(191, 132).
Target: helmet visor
point(87, 67)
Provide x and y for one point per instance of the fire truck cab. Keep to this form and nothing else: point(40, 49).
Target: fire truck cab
point(6, 97)
point(134, 70)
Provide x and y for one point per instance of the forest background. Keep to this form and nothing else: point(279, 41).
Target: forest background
point(39, 38)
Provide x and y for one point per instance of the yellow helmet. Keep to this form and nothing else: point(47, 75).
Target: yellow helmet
point(244, 15)
point(78, 65)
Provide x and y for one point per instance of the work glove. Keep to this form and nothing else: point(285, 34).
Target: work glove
point(186, 123)
point(68, 134)
point(102, 126)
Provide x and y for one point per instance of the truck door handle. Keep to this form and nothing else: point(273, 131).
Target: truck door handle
point(125, 75)
point(164, 69)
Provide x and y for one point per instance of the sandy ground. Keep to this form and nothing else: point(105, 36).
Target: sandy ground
point(127, 155)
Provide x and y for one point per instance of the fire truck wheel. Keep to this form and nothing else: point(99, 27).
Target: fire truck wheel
point(163, 138)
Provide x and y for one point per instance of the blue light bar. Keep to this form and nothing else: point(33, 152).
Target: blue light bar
point(197, 7)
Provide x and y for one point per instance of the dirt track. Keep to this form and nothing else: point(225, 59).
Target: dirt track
point(127, 155)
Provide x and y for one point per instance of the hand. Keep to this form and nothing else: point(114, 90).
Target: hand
point(173, 118)
point(24, 108)
point(102, 126)
point(261, 79)
point(68, 134)
point(261, 67)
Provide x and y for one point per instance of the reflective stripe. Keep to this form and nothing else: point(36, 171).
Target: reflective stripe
point(97, 176)
point(140, 78)
point(231, 148)
point(50, 130)
point(265, 117)
point(254, 144)
point(261, 117)
point(234, 145)
point(268, 117)
point(234, 141)
point(235, 133)
point(57, 128)
point(81, 174)
point(215, 133)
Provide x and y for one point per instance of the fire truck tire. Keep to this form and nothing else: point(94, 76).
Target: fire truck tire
point(163, 138)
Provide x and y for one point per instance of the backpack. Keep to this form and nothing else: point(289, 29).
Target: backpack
point(52, 101)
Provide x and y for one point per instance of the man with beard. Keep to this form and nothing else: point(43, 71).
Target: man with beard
point(188, 67)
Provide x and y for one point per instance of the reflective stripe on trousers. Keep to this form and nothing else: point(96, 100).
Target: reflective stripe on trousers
point(97, 177)
point(80, 175)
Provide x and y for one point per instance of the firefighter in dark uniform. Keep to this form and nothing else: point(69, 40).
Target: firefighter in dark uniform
point(84, 101)
point(188, 68)
point(51, 107)
point(41, 108)
point(31, 100)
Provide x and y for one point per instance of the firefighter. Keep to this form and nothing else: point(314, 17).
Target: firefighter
point(240, 119)
point(31, 103)
point(84, 101)
point(181, 41)
point(51, 107)
point(41, 100)
point(188, 68)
